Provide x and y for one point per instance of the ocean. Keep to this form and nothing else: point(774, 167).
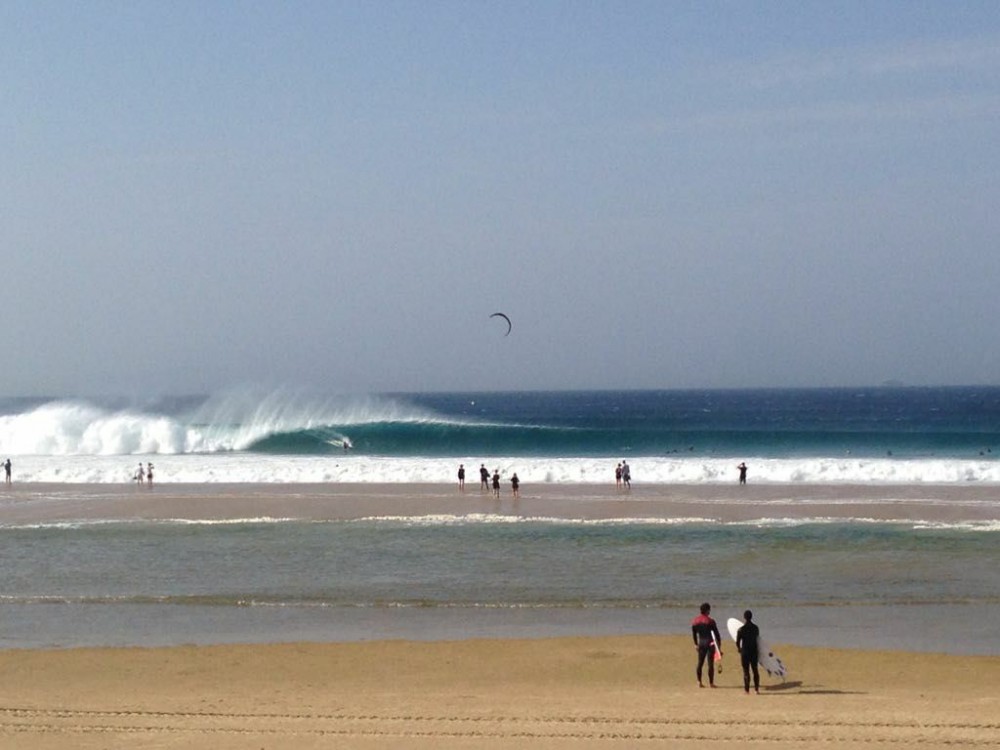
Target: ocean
point(246, 533)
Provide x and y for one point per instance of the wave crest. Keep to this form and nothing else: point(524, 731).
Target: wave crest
point(232, 422)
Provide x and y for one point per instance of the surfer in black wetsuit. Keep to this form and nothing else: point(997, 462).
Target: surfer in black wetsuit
point(743, 473)
point(747, 638)
point(706, 639)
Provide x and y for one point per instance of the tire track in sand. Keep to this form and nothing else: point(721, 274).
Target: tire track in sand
point(611, 729)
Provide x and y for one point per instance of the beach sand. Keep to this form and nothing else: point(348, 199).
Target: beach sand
point(607, 692)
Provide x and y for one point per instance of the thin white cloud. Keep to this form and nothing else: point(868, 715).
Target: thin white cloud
point(912, 110)
point(979, 55)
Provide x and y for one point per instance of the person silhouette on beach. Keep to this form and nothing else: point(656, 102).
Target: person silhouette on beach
point(515, 486)
point(747, 638)
point(6, 471)
point(496, 483)
point(140, 474)
point(484, 477)
point(706, 640)
point(618, 476)
point(743, 473)
point(149, 474)
point(461, 477)
point(626, 475)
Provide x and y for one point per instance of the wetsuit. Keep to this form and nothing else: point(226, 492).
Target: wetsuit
point(747, 638)
point(706, 634)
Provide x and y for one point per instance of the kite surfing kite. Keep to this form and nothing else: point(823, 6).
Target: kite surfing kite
point(501, 315)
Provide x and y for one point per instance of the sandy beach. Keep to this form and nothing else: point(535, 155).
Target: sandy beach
point(618, 688)
point(546, 693)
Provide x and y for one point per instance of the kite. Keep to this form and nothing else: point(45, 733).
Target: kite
point(501, 315)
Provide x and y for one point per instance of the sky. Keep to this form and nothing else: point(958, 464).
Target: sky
point(338, 195)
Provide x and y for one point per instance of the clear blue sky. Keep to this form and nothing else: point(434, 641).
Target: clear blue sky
point(338, 194)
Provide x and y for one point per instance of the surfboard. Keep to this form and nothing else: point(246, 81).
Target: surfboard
point(766, 658)
point(717, 656)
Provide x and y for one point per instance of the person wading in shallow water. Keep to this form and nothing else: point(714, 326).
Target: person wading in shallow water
point(706, 637)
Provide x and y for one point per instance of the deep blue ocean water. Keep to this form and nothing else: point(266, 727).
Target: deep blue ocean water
point(791, 435)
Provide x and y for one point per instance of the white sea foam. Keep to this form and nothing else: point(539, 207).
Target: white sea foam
point(496, 518)
point(235, 467)
point(993, 526)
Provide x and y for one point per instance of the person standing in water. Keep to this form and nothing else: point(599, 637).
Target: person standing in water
point(496, 484)
point(626, 475)
point(140, 474)
point(461, 477)
point(747, 639)
point(6, 471)
point(743, 473)
point(484, 477)
point(706, 639)
point(149, 474)
point(515, 486)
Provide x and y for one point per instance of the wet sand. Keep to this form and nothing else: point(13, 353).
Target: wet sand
point(30, 503)
point(608, 692)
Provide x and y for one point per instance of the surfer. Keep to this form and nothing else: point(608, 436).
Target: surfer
point(461, 477)
point(743, 473)
point(484, 478)
point(706, 640)
point(747, 638)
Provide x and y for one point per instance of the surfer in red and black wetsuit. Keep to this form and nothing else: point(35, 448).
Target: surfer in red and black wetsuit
point(706, 639)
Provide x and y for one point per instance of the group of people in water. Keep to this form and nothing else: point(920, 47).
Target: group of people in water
point(144, 475)
point(708, 643)
point(490, 483)
point(623, 476)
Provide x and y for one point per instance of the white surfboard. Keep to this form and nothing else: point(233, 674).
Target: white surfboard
point(767, 659)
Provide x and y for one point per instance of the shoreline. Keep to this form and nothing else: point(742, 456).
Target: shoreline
point(499, 694)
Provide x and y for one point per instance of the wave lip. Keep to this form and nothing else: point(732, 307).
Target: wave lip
point(221, 424)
